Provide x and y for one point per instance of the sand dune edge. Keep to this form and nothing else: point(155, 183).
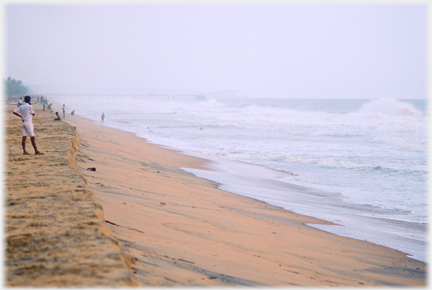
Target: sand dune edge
point(56, 234)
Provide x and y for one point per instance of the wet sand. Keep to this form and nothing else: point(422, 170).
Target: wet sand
point(180, 230)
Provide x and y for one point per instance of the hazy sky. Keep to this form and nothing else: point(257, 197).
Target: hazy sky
point(274, 50)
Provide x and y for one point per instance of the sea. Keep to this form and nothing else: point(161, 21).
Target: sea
point(358, 163)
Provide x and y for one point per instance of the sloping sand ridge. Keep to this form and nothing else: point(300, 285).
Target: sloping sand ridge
point(172, 228)
point(55, 231)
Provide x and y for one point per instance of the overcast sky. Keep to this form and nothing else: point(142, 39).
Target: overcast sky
point(274, 50)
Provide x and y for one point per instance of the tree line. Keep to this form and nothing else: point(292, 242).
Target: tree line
point(14, 88)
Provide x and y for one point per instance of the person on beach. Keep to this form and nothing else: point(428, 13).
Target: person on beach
point(64, 111)
point(57, 118)
point(102, 118)
point(43, 104)
point(25, 112)
point(73, 112)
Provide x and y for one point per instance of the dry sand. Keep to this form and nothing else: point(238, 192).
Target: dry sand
point(180, 230)
point(55, 229)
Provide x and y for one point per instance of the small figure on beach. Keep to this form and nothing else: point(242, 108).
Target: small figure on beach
point(49, 106)
point(73, 112)
point(43, 104)
point(57, 118)
point(102, 118)
point(64, 111)
point(25, 112)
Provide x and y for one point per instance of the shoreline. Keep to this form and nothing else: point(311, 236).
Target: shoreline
point(346, 222)
point(183, 231)
point(370, 202)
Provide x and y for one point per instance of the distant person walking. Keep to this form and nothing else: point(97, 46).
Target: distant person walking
point(64, 111)
point(102, 118)
point(43, 104)
point(25, 112)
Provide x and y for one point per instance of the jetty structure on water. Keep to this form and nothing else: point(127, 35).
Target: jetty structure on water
point(120, 96)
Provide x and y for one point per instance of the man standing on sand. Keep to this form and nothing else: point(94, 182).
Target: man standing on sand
point(64, 111)
point(102, 118)
point(25, 112)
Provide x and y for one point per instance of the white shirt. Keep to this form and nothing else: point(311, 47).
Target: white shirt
point(25, 111)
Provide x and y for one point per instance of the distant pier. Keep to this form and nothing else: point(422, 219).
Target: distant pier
point(120, 96)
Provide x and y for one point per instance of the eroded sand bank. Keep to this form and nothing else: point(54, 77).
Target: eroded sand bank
point(55, 230)
point(181, 230)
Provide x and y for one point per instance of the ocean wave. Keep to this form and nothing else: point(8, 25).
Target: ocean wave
point(329, 162)
point(372, 117)
point(389, 107)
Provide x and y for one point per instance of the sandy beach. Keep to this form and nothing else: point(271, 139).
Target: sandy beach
point(159, 225)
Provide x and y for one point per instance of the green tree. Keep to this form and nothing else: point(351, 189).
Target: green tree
point(13, 87)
